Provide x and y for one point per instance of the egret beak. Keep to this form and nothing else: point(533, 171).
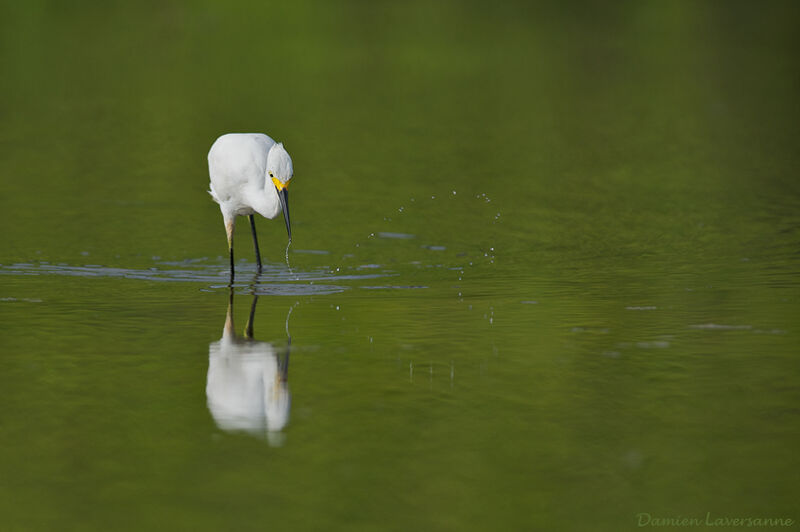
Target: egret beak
point(283, 196)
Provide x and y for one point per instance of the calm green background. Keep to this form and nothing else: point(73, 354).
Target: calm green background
point(596, 316)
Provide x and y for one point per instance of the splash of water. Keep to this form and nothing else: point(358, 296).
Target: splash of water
point(287, 258)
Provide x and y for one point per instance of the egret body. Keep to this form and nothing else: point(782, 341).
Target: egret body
point(247, 384)
point(250, 173)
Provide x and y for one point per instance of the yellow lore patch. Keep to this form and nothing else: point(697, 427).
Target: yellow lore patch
point(280, 185)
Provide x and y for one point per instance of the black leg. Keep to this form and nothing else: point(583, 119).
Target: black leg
point(248, 329)
point(255, 241)
point(229, 223)
point(231, 264)
point(229, 328)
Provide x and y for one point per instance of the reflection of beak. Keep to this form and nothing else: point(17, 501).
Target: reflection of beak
point(283, 195)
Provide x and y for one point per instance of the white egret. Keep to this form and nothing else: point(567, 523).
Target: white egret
point(250, 173)
point(247, 383)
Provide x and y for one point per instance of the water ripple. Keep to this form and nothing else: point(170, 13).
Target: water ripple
point(273, 280)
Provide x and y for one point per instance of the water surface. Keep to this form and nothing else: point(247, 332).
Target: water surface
point(544, 272)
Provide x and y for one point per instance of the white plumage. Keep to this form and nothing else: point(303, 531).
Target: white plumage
point(246, 385)
point(250, 173)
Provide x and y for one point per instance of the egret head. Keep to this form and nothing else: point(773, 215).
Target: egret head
point(279, 165)
point(280, 172)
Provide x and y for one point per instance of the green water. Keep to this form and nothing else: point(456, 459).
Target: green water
point(544, 273)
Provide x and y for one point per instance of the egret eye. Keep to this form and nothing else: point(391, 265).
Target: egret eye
point(270, 174)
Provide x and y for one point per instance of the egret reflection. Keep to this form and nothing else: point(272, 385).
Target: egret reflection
point(247, 387)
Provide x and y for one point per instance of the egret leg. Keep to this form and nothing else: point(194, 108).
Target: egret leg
point(229, 230)
point(248, 329)
point(255, 241)
point(229, 327)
